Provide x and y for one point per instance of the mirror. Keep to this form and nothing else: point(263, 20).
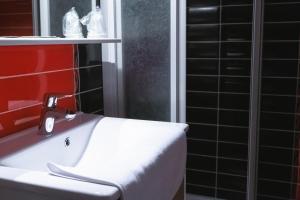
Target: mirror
point(39, 17)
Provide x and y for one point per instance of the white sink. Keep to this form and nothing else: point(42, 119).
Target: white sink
point(24, 157)
point(29, 150)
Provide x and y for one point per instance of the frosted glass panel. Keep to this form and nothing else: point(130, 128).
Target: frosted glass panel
point(146, 53)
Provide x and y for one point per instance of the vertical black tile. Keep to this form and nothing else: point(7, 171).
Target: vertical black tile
point(203, 15)
point(200, 147)
point(200, 178)
point(90, 78)
point(233, 134)
point(275, 189)
point(198, 162)
point(232, 195)
point(234, 151)
point(200, 190)
point(235, 167)
point(91, 101)
point(202, 50)
point(202, 131)
point(202, 115)
point(237, 14)
point(89, 54)
point(203, 32)
point(203, 66)
point(237, 183)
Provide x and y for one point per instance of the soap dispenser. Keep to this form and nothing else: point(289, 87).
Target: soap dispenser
point(95, 24)
point(71, 25)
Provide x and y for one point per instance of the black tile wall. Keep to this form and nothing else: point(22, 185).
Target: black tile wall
point(279, 138)
point(219, 36)
point(90, 83)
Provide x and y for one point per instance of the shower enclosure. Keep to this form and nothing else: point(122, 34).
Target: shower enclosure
point(242, 72)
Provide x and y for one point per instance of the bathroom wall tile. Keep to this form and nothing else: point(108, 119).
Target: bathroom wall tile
point(200, 83)
point(232, 195)
point(29, 77)
point(202, 99)
point(203, 66)
point(201, 162)
point(284, 86)
point(218, 85)
point(199, 115)
point(236, 14)
point(201, 147)
point(18, 120)
point(284, 104)
point(277, 121)
point(232, 182)
point(203, 50)
point(18, 6)
point(284, 139)
point(201, 190)
point(39, 70)
point(91, 101)
point(276, 155)
point(90, 78)
point(235, 67)
point(236, 32)
point(35, 59)
point(203, 32)
point(90, 54)
point(275, 172)
point(284, 31)
point(233, 134)
point(235, 84)
point(16, 18)
point(236, 50)
point(202, 3)
point(281, 50)
point(236, 151)
point(203, 15)
point(236, 2)
point(202, 131)
point(282, 12)
point(234, 167)
point(234, 101)
point(280, 68)
point(31, 89)
point(275, 189)
point(200, 178)
point(280, 1)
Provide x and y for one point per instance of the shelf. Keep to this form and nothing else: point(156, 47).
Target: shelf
point(48, 41)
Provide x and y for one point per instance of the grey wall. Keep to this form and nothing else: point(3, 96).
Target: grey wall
point(146, 54)
point(58, 8)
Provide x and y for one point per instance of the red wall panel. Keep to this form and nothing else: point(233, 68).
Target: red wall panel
point(16, 18)
point(27, 73)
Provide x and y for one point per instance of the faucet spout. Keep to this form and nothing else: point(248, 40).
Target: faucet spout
point(50, 112)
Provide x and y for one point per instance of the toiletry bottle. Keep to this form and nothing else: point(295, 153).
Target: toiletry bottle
point(95, 24)
point(71, 25)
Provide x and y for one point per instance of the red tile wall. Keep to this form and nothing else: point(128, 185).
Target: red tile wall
point(16, 18)
point(27, 73)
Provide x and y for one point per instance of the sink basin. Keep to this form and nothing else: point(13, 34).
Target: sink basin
point(29, 150)
point(96, 143)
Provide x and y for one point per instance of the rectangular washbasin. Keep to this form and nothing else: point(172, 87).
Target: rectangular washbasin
point(105, 158)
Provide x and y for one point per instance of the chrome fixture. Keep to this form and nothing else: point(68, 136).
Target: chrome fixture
point(50, 112)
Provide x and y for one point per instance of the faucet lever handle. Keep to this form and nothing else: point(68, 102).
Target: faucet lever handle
point(51, 101)
point(52, 98)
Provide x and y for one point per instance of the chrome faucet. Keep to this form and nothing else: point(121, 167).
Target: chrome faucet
point(50, 112)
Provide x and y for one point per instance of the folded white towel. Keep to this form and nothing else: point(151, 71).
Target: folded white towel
point(144, 159)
